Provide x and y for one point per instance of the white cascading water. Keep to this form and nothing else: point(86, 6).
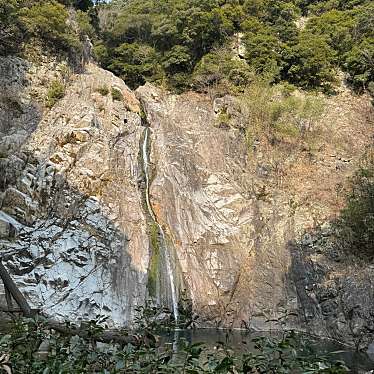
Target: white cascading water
point(150, 210)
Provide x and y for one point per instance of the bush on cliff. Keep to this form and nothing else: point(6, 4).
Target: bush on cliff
point(56, 91)
point(49, 24)
point(357, 218)
point(277, 113)
point(220, 71)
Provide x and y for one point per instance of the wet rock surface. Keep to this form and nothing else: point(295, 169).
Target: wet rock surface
point(239, 230)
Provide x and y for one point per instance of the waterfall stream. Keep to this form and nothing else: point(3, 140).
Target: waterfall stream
point(167, 256)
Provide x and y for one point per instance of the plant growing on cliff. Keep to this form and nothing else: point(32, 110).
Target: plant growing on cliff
point(356, 223)
point(10, 34)
point(56, 91)
point(278, 112)
point(103, 90)
point(116, 94)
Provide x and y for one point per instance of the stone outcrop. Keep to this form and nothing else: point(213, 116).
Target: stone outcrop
point(235, 221)
point(72, 228)
point(76, 235)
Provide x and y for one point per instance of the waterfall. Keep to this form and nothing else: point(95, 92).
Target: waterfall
point(168, 260)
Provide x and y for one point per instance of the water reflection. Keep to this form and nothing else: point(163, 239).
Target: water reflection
point(241, 341)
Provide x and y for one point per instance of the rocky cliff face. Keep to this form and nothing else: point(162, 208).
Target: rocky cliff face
point(73, 229)
point(242, 227)
point(77, 236)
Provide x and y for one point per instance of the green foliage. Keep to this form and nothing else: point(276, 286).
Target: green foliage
point(175, 33)
point(223, 119)
point(310, 62)
point(178, 59)
point(103, 90)
point(336, 27)
point(135, 63)
point(85, 26)
point(19, 350)
point(101, 53)
point(56, 91)
point(359, 64)
point(347, 27)
point(263, 52)
point(276, 112)
point(178, 42)
point(218, 69)
point(48, 21)
point(116, 94)
point(82, 5)
point(357, 218)
point(174, 43)
point(10, 34)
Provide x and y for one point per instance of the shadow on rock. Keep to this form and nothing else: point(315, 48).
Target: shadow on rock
point(335, 291)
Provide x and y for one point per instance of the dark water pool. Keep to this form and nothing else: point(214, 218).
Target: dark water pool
point(241, 341)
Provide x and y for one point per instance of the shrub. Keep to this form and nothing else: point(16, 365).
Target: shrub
point(103, 90)
point(336, 27)
point(263, 52)
point(101, 54)
point(276, 111)
point(10, 35)
point(311, 63)
point(218, 67)
point(84, 23)
point(357, 218)
point(178, 59)
point(359, 64)
point(56, 91)
point(290, 353)
point(116, 94)
point(135, 63)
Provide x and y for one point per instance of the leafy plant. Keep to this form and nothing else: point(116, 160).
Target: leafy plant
point(276, 111)
point(48, 21)
point(356, 223)
point(10, 33)
point(56, 91)
point(103, 90)
point(116, 94)
point(19, 349)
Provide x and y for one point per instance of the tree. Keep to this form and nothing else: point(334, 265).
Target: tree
point(218, 67)
point(135, 63)
point(178, 59)
point(263, 52)
point(10, 35)
point(336, 27)
point(310, 63)
point(359, 63)
point(48, 21)
point(82, 5)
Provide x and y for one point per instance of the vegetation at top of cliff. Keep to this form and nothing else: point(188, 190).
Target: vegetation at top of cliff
point(51, 24)
point(188, 43)
point(185, 44)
